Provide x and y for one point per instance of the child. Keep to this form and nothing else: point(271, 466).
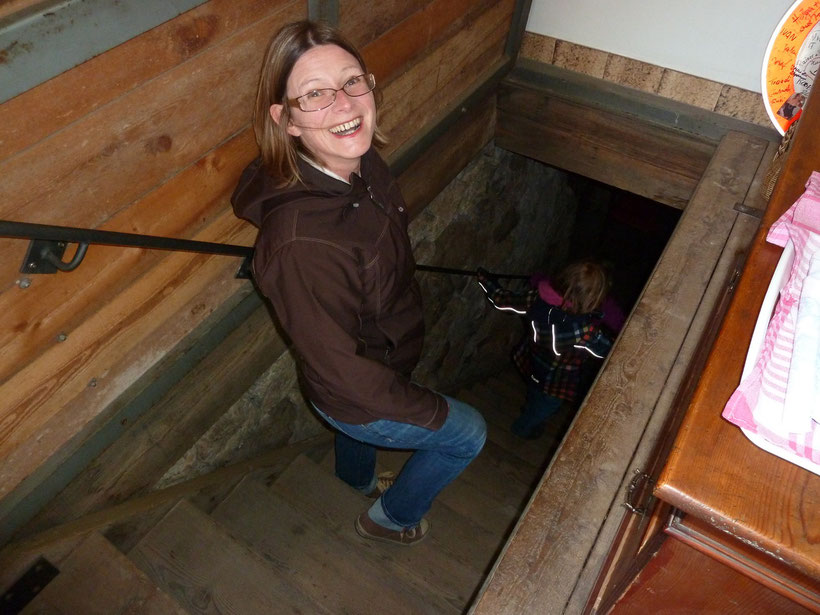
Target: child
point(565, 334)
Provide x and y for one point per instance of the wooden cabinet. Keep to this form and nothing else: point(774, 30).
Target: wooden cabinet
point(733, 529)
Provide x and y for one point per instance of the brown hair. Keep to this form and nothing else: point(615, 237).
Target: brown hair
point(279, 150)
point(584, 286)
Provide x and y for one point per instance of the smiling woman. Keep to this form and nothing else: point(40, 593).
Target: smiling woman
point(333, 257)
point(334, 126)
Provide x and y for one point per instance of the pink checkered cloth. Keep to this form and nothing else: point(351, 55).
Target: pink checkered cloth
point(779, 399)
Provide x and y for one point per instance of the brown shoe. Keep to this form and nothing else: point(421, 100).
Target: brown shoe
point(367, 528)
point(384, 482)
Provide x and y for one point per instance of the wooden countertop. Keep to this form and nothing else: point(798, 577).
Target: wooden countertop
point(714, 472)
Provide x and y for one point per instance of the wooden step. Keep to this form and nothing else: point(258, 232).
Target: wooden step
point(491, 511)
point(198, 562)
point(451, 561)
point(510, 384)
point(324, 565)
point(534, 452)
point(469, 542)
point(507, 405)
point(96, 578)
point(555, 427)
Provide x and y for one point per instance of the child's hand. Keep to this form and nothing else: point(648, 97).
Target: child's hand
point(483, 275)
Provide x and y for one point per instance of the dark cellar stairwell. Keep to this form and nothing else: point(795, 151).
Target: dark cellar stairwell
point(278, 536)
point(623, 229)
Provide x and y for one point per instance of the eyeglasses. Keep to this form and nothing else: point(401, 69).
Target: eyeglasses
point(321, 98)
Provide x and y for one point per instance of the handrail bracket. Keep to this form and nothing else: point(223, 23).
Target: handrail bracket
point(46, 256)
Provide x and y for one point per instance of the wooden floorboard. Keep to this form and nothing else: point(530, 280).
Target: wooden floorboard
point(532, 452)
point(96, 579)
point(310, 487)
point(195, 560)
point(323, 564)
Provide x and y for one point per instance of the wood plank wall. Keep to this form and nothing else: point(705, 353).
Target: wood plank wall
point(150, 137)
point(9, 7)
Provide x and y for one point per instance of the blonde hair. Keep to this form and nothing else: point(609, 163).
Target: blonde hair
point(584, 286)
point(279, 150)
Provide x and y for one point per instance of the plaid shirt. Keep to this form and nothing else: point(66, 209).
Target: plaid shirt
point(558, 344)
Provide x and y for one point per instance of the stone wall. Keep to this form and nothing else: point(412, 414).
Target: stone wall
point(504, 212)
point(508, 214)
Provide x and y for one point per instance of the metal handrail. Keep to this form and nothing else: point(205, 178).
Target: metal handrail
point(48, 243)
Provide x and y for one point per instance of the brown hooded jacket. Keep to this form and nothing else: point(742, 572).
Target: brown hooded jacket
point(335, 261)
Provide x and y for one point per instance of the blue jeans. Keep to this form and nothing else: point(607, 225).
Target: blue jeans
point(538, 408)
point(440, 456)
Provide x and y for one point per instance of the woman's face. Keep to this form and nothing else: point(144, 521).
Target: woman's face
point(339, 134)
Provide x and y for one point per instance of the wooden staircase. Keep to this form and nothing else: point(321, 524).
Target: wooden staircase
point(282, 541)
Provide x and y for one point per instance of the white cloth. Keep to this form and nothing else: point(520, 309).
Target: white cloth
point(802, 402)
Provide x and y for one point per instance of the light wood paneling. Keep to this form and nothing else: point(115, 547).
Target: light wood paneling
point(85, 173)
point(150, 137)
point(133, 464)
point(435, 82)
point(362, 24)
point(190, 201)
point(41, 111)
point(9, 7)
point(154, 145)
point(420, 34)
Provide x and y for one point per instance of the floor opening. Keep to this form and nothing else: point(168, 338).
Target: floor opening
point(623, 229)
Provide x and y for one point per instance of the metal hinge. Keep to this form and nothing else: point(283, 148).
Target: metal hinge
point(634, 490)
point(754, 212)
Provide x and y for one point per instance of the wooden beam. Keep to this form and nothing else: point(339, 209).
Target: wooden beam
point(657, 162)
point(518, 27)
point(651, 108)
point(324, 10)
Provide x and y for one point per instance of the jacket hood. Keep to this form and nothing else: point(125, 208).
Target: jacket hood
point(256, 194)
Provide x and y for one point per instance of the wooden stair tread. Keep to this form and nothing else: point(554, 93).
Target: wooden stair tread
point(493, 513)
point(434, 562)
point(507, 404)
point(510, 383)
point(555, 426)
point(95, 578)
point(326, 566)
point(195, 560)
point(475, 527)
point(534, 452)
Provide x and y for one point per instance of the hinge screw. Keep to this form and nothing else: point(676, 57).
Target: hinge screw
point(61, 337)
point(24, 283)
